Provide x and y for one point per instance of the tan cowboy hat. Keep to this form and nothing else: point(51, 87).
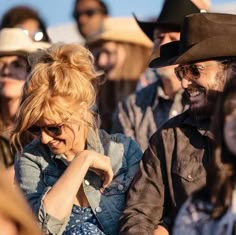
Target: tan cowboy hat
point(204, 36)
point(120, 30)
point(13, 41)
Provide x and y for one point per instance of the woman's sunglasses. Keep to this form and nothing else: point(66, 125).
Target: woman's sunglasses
point(52, 130)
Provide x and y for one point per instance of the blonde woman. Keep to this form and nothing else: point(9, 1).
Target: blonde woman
point(74, 175)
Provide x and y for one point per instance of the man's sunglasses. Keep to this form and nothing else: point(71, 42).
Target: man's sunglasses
point(193, 70)
point(89, 13)
point(52, 130)
point(187, 71)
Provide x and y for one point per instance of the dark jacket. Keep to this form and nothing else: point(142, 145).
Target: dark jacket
point(143, 112)
point(173, 166)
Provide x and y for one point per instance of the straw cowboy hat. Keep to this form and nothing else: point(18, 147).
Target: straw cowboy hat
point(121, 30)
point(171, 16)
point(203, 36)
point(13, 41)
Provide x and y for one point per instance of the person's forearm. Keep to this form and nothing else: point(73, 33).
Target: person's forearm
point(59, 200)
point(160, 230)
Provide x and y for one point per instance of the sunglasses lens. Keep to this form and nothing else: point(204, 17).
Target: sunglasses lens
point(179, 73)
point(53, 130)
point(194, 71)
point(35, 130)
point(90, 12)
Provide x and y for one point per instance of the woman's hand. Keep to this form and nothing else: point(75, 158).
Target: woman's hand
point(100, 164)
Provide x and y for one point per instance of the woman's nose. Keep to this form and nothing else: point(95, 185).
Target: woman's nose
point(45, 138)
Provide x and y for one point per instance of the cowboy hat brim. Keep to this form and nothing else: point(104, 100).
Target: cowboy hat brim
point(165, 56)
point(204, 49)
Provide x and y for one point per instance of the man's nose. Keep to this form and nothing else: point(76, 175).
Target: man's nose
point(83, 18)
point(185, 82)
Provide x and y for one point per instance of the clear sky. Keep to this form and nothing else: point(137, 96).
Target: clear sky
point(56, 12)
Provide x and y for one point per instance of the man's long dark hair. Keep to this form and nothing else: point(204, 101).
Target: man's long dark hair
point(221, 178)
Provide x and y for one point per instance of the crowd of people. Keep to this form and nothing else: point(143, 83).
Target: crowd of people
point(132, 132)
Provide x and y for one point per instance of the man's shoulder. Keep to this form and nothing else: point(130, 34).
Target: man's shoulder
point(177, 121)
point(145, 95)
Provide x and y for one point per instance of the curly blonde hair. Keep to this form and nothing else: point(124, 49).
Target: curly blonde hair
point(62, 78)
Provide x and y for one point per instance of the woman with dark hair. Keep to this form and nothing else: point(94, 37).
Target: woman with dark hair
point(28, 19)
point(212, 210)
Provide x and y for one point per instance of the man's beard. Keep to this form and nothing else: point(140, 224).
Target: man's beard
point(211, 96)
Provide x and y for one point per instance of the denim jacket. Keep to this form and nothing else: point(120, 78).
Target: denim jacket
point(37, 170)
point(194, 219)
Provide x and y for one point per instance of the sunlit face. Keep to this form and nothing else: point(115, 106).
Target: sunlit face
point(204, 87)
point(230, 132)
point(13, 72)
point(89, 17)
point(7, 226)
point(69, 141)
point(110, 58)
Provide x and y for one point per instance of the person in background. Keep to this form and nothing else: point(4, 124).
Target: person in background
point(28, 20)
point(16, 217)
point(89, 15)
point(116, 50)
point(212, 209)
point(74, 175)
point(143, 112)
point(179, 154)
point(15, 46)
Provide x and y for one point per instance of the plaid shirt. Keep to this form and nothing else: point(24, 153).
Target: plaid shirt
point(143, 112)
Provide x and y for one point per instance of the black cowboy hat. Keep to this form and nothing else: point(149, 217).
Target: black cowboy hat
point(171, 16)
point(204, 36)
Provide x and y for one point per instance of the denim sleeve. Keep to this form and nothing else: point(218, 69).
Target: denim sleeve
point(28, 174)
point(184, 223)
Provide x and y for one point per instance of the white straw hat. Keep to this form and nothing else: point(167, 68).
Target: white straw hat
point(13, 41)
point(121, 29)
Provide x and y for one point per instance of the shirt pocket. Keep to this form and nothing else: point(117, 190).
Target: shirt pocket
point(189, 171)
point(50, 177)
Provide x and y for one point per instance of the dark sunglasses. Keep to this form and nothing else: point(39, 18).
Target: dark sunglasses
point(89, 13)
point(192, 70)
point(52, 130)
point(15, 66)
point(188, 71)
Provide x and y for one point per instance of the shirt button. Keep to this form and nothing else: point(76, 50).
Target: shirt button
point(98, 209)
point(120, 187)
point(87, 182)
point(174, 113)
point(189, 177)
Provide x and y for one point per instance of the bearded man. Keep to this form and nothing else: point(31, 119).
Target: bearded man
point(179, 153)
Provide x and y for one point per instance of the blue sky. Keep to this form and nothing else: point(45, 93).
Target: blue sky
point(56, 12)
